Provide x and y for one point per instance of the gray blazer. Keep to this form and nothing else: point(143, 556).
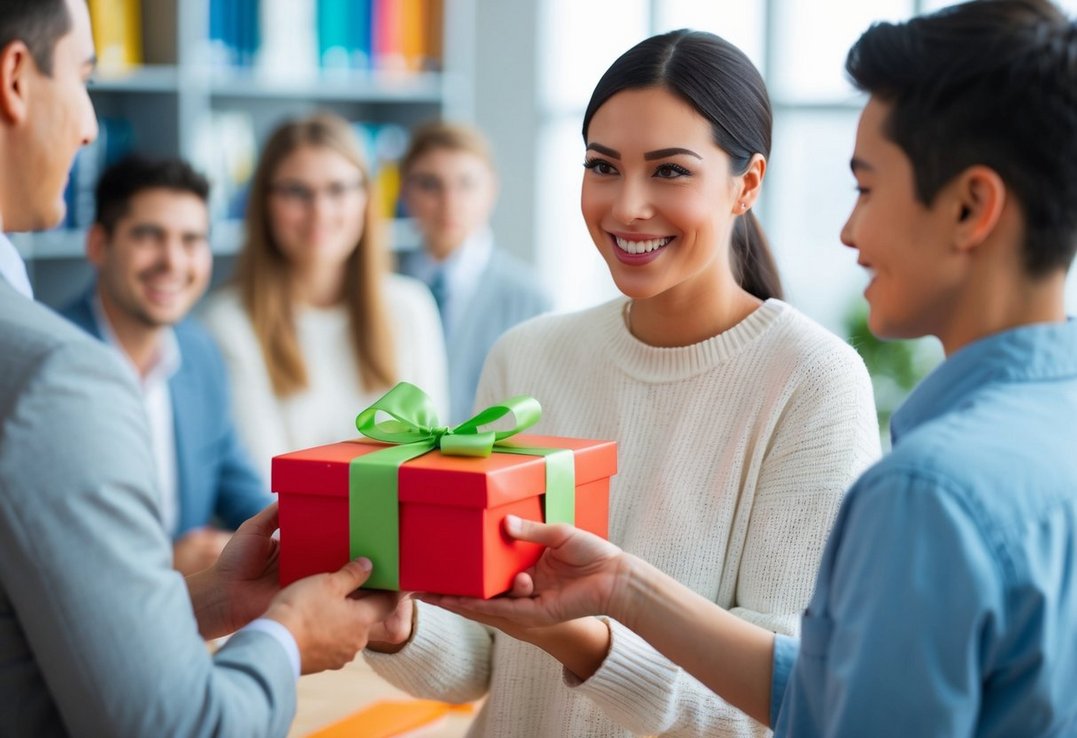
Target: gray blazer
point(508, 294)
point(97, 636)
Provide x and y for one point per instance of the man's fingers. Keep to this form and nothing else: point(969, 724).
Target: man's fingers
point(541, 533)
point(352, 575)
point(378, 605)
point(263, 523)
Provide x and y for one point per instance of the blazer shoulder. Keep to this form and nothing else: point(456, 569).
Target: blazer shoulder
point(39, 348)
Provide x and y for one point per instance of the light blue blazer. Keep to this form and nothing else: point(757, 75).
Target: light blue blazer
point(97, 634)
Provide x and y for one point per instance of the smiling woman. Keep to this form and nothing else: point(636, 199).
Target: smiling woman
point(772, 415)
point(657, 214)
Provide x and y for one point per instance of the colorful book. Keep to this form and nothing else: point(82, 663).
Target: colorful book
point(413, 33)
point(435, 33)
point(360, 20)
point(387, 35)
point(220, 53)
point(117, 32)
point(289, 46)
point(335, 30)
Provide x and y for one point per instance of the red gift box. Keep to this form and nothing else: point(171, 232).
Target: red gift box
point(451, 510)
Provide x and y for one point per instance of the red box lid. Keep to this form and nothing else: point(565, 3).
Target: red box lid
point(460, 481)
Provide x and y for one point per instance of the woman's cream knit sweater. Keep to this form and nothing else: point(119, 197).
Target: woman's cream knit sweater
point(733, 456)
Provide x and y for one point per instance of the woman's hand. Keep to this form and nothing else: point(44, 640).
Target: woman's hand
point(578, 574)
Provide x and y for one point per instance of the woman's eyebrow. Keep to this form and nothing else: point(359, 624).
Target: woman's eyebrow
point(604, 150)
point(663, 153)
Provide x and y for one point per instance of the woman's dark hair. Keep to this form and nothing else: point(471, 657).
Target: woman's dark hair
point(718, 80)
point(37, 23)
point(994, 83)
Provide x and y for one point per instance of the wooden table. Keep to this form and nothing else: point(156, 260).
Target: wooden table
point(334, 695)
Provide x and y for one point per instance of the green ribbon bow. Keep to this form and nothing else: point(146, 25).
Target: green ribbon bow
point(374, 526)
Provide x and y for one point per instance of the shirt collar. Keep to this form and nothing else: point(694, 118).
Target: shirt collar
point(13, 269)
point(1039, 352)
point(464, 263)
point(168, 355)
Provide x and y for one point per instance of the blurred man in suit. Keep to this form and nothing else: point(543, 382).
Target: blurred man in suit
point(449, 188)
point(98, 634)
point(149, 244)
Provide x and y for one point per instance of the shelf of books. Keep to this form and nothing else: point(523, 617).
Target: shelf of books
point(208, 79)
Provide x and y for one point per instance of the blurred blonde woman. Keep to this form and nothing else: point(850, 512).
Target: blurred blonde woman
point(315, 327)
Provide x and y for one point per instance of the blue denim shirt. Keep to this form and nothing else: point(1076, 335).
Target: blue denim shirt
point(946, 603)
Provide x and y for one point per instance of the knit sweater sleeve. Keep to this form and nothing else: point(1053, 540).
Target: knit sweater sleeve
point(447, 658)
point(824, 437)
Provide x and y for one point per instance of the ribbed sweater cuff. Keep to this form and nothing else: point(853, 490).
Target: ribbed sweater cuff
point(634, 680)
point(428, 666)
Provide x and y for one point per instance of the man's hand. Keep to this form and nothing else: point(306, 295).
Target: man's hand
point(393, 633)
point(330, 620)
point(243, 581)
point(578, 574)
point(198, 550)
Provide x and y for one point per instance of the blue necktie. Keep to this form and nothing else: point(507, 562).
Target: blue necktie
point(437, 289)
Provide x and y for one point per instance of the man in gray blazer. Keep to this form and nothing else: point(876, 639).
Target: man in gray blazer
point(98, 635)
point(449, 188)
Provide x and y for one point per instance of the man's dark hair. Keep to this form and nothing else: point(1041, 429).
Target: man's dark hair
point(37, 23)
point(989, 82)
point(134, 174)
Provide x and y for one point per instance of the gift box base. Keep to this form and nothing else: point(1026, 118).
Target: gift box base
point(450, 514)
point(451, 550)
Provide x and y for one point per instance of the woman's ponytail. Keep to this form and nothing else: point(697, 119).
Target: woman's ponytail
point(753, 263)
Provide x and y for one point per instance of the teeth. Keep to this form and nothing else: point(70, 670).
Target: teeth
point(641, 247)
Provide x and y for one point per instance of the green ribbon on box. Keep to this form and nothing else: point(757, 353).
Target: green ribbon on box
point(373, 505)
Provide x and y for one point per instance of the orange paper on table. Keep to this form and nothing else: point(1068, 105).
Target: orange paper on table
point(387, 718)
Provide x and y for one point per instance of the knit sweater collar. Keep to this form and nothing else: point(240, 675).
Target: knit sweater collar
point(660, 364)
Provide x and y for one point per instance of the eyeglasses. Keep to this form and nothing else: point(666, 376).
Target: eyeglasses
point(430, 184)
point(297, 194)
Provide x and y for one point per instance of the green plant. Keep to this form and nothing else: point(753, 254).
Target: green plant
point(896, 367)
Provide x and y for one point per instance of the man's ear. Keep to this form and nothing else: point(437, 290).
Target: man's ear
point(96, 245)
point(16, 66)
point(980, 199)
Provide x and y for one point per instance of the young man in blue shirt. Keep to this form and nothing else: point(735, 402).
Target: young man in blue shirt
point(946, 602)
